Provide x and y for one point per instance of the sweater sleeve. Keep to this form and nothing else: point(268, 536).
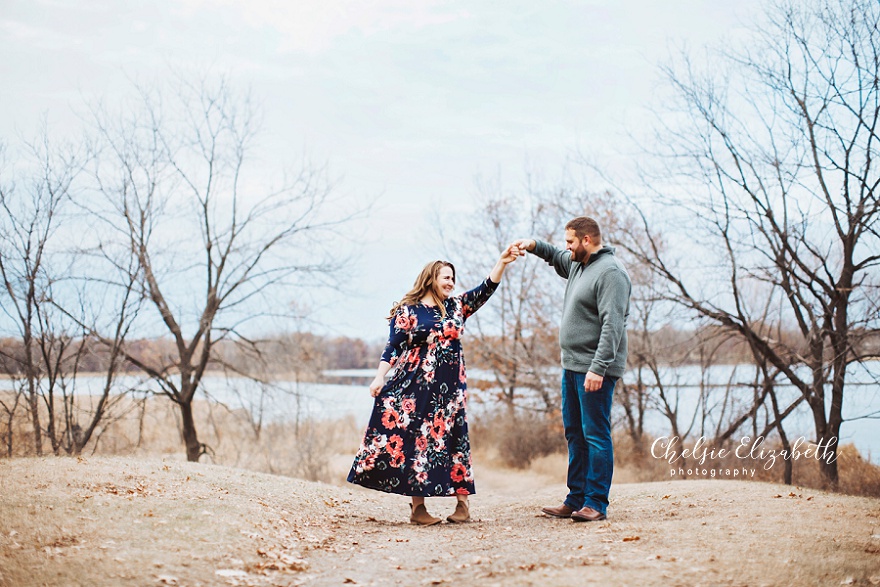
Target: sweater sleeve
point(612, 300)
point(557, 258)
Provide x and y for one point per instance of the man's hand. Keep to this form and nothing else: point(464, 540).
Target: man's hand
point(523, 245)
point(593, 382)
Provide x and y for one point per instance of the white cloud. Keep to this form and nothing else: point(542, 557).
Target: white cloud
point(40, 37)
point(311, 26)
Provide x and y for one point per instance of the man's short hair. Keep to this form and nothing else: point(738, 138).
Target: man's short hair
point(584, 226)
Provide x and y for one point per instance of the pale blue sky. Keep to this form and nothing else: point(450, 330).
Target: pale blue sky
point(406, 101)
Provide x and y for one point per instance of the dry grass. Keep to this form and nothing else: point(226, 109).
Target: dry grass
point(535, 441)
point(323, 450)
point(307, 450)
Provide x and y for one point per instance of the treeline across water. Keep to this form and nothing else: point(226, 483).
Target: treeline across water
point(307, 353)
point(310, 354)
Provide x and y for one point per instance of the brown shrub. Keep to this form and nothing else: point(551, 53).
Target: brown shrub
point(515, 439)
point(633, 462)
point(857, 476)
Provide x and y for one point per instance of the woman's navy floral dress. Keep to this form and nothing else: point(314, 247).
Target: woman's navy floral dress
point(417, 440)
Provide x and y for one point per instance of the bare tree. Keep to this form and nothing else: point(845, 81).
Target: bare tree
point(37, 261)
point(29, 223)
point(179, 189)
point(514, 336)
point(771, 160)
point(109, 305)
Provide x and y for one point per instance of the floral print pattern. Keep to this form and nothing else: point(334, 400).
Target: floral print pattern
point(416, 443)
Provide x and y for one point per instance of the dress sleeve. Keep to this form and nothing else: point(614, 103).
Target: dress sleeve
point(402, 324)
point(472, 300)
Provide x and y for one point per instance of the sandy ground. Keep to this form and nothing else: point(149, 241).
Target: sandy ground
point(109, 521)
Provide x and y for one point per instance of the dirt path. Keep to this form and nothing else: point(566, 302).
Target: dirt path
point(130, 522)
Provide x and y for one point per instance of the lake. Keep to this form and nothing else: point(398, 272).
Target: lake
point(289, 400)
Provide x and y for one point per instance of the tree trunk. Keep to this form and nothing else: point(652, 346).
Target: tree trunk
point(50, 420)
point(34, 406)
point(828, 458)
point(190, 436)
point(830, 441)
point(786, 445)
point(9, 437)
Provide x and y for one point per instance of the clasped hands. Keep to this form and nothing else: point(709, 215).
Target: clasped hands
point(515, 250)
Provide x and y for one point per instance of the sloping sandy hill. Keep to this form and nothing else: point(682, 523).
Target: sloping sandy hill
point(113, 521)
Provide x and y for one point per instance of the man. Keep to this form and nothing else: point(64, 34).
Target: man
point(592, 337)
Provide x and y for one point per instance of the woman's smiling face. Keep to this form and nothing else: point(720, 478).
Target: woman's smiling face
point(445, 282)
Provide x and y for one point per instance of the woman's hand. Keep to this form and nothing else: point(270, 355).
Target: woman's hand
point(511, 254)
point(508, 256)
point(379, 381)
point(377, 385)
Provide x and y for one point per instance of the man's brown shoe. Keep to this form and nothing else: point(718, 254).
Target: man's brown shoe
point(421, 516)
point(587, 514)
point(562, 511)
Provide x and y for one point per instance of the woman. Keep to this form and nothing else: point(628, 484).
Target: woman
point(416, 443)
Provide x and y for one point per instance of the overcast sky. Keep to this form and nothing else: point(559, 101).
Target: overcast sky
point(407, 101)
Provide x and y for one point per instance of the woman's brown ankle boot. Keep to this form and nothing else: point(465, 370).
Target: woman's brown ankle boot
point(461, 513)
point(421, 516)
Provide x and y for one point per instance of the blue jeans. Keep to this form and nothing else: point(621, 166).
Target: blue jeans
point(586, 417)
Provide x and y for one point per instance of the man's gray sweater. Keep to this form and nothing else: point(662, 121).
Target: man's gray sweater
point(594, 312)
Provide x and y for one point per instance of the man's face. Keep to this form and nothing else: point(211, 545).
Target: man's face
point(577, 246)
